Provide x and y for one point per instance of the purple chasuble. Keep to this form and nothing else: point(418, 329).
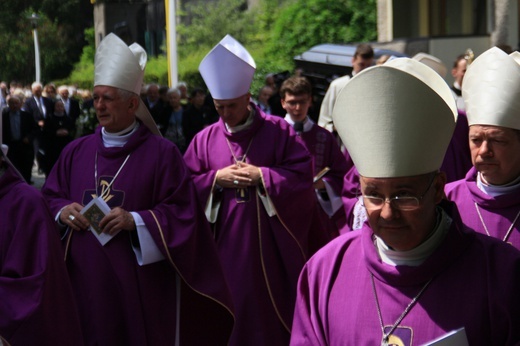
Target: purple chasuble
point(36, 302)
point(121, 302)
point(457, 160)
point(498, 213)
point(261, 255)
point(326, 152)
point(475, 285)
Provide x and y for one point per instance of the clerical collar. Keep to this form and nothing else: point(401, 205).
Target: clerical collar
point(245, 125)
point(118, 139)
point(497, 190)
point(307, 122)
point(419, 254)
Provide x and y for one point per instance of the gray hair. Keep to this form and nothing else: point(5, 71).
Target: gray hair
point(174, 91)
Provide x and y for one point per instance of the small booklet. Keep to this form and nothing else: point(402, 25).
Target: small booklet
point(321, 174)
point(453, 338)
point(95, 211)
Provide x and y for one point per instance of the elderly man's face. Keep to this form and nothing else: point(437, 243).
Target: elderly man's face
point(37, 91)
point(114, 112)
point(399, 229)
point(153, 93)
point(234, 111)
point(174, 99)
point(495, 153)
point(64, 93)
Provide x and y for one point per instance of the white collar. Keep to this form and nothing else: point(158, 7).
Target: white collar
point(120, 138)
point(497, 190)
point(419, 254)
point(307, 122)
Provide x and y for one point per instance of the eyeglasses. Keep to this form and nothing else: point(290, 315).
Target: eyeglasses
point(404, 203)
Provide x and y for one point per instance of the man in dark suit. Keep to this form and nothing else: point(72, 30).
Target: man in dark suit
point(153, 102)
point(19, 129)
point(71, 106)
point(40, 107)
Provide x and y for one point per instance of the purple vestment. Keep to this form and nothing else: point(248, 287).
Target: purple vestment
point(261, 255)
point(36, 302)
point(457, 160)
point(476, 280)
point(498, 213)
point(326, 152)
point(121, 302)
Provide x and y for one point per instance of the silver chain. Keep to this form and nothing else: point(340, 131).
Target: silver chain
point(386, 336)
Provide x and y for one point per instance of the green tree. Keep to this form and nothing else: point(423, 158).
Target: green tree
point(60, 44)
point(305, 23)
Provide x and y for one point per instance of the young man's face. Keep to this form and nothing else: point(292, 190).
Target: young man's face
point(459, 71)
point(296, 106)
point(359, 63)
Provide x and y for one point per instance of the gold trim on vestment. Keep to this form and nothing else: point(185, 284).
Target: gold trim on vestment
point(179, 272)
point(262, 256)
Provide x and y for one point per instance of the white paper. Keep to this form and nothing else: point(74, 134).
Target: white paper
point(94, 212)
point(453, 338)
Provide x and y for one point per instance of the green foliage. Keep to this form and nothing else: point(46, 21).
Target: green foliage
point(57, 32)
point(274, 32)
point(209, 22)
point(83, 73)
point(305, 23)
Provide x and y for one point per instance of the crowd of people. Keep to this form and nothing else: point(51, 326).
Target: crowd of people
point(191, 218)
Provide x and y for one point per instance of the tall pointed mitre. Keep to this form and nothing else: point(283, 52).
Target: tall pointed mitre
point(433, 62)
point(121, 66)
point(396, 120)
point(228, 69)
point(491, 89)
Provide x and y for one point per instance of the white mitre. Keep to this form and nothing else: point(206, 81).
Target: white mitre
point(228, 70)
point(491, 89)
point(396, 119)
point(121, 66)
point(433, 62)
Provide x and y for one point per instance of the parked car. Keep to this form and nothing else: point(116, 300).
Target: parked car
point(323, 63)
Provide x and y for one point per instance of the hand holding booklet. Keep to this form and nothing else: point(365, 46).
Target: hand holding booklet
point(95, 211)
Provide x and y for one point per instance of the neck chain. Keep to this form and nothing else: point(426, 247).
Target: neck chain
point(243, 159)
point(508, 233)
point(106, 191)
point(386, 336)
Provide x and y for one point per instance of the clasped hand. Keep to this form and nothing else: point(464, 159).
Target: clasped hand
point(239, 176)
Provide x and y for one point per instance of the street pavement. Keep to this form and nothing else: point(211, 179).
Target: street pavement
point(37, 178)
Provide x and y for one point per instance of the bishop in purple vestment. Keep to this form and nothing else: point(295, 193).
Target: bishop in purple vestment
point(414, 273)
point(254, 177)
point(489, 196)
point(158, 281)
point(37, 306)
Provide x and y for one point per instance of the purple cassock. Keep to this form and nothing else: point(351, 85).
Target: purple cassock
point(326, 152)
point(475, 282)
point(36, 302)
point(457, 160)
point(121, 302)
point(262, 255)
point(499, 215)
